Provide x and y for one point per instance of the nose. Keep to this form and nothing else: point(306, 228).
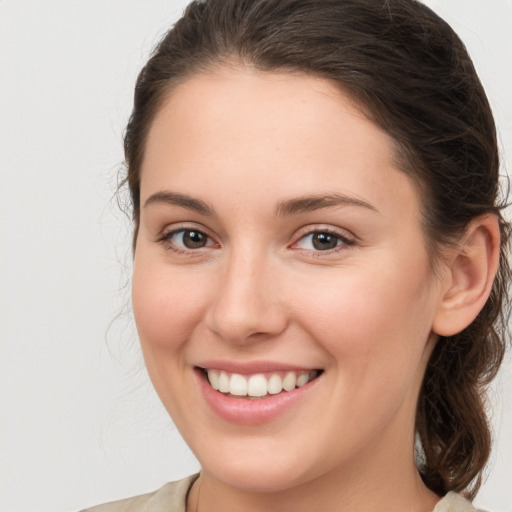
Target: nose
point(247, 305)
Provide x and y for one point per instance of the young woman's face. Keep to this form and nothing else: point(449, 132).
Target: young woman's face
point(279, 245)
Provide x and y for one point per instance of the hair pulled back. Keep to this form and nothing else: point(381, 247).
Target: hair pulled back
point(410, 74)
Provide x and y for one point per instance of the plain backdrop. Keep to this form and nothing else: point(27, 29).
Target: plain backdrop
point(80, 423)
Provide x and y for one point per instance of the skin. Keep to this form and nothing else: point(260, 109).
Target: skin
point(243, 142)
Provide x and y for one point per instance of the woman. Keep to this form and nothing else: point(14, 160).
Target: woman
point(319, 255)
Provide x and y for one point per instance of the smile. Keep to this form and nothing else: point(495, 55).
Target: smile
point(258, 385)
point(252, 394)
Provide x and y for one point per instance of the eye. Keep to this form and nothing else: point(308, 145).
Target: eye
point(187, 240)
point(322, 241)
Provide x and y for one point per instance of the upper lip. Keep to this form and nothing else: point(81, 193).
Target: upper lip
point(250, 367)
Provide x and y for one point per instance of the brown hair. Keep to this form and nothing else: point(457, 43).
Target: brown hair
point(411, 75)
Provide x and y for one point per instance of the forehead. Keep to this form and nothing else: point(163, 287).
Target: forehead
point(266, 132)
point(262, 103)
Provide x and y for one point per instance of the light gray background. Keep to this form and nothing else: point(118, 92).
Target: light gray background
point(80, 423)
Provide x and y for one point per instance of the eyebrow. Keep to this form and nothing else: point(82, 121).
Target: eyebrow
point(311, 203)
point(182, 200)
point(289, 207)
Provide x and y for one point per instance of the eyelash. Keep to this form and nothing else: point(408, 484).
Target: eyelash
point(165, 240)
point(343, 241)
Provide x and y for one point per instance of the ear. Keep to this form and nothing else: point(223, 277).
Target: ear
point(471, 268)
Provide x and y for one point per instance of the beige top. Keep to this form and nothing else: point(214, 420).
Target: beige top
point(172, 497)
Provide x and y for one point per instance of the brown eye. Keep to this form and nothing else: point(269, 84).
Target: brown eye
point(187, 239)
point(324, 241)
point(194, 239)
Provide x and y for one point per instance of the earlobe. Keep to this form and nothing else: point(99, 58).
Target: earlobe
point(472, 266)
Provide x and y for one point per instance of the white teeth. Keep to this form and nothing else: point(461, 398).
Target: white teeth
point(302, 379)
point(238, 385)
point(257, 385)
point(275, 384)
point(213, 377)
point(290, 381)
point(223, 382)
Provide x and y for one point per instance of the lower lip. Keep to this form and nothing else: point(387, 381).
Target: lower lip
point(246, 411)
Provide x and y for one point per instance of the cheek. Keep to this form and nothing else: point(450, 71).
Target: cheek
point(166, 306)
point(378, 319)
point(376, 333)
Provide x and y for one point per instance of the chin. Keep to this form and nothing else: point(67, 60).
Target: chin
point(259, 473)
point(262, 481)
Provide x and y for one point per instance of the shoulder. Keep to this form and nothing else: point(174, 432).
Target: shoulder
point(454, 502)
point(171, 497)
